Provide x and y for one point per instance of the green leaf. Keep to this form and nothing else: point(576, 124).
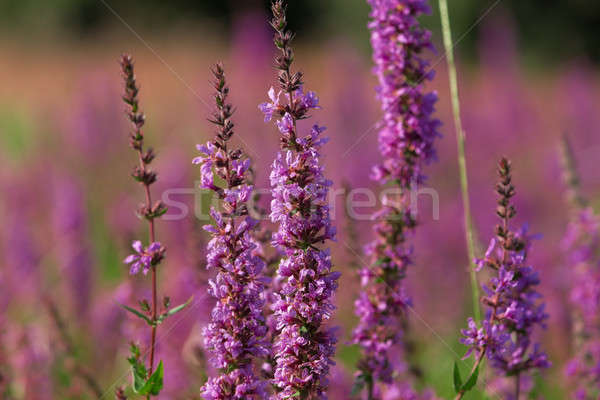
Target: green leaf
point(380, 261)
point(174, 310)
point(138, 370)
point(161, 211)
point(457, 379)
point(180, 307)
point(135, 351)
point(472, 381)
point(230, 368)
point(154, 384)
point(137, 314)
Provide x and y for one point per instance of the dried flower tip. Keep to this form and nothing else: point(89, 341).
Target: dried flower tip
point(144, 305)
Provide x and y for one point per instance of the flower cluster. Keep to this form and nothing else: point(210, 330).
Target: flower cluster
point(235, 335)
point(144, 258)
point(303, 347)
point(581, 243)
point(514, 309)
point(408, 131)
point(406, 142)
point(303, 103)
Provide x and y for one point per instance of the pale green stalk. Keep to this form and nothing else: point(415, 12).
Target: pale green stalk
point(462, 163)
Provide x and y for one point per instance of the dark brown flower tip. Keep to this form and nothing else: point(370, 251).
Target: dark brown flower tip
point(505, 190)
point(221, 117)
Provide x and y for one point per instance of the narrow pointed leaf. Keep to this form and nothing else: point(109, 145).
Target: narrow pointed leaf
point(457, 379)
point(137, 314)
point(180, 307)
point(174, 310)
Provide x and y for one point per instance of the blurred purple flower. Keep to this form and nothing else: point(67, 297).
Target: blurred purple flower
point(31, 356)
point(406, 143)
point(74, 253)
point(582, 246)
point(92, 125)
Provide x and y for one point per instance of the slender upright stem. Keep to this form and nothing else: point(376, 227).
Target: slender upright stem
point(370, 387)
point(517, 386)
point(462, 163)
point(153, 337)
point(153, 270)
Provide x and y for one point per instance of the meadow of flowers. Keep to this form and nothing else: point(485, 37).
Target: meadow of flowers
point(303, 222)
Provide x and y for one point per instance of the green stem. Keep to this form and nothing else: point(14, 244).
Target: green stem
point(462, 163)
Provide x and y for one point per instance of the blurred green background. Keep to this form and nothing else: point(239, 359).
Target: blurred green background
point(548, 30)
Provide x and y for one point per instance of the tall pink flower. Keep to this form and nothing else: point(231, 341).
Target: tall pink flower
point(303, 347)
point(514, 309)
point(236, 333)
point(406, 141)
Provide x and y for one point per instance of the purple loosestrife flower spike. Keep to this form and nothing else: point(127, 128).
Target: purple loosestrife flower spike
point(581, 245)
point(406, 142)
point(149, 257)
point(73, 250)
point(514, 310)
point(236, 333)
point(408, 131)
point(303, 347)
point(570, 175)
